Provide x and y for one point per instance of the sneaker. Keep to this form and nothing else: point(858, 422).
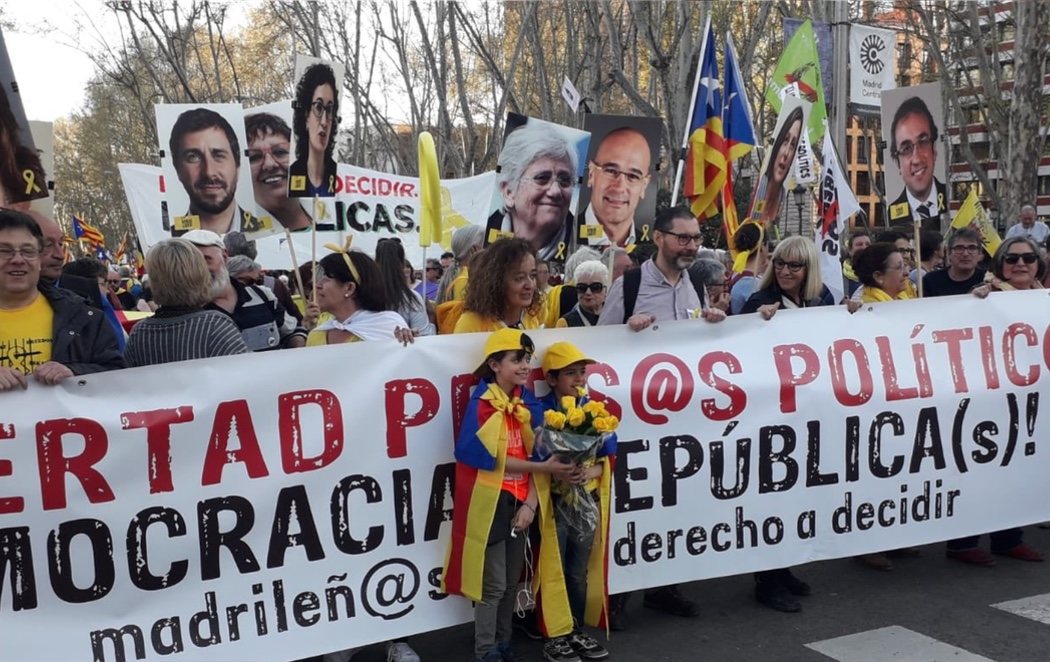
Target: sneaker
point(776, 596)
point(975, 556)
point(1021, 552)
point(795, 585)
point(559, 649)
point(506, 654)
point(399, 651)
point(527, 625)
point(587, 647)
point(668, 600)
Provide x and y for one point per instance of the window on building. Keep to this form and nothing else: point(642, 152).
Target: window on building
point(862, 149)
point(960, 190)
point(878, 214)
point(1043, 187)
point(863, 183)
point(880, 181)
point(849, 149)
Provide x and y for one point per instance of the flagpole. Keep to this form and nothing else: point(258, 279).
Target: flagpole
point(689, 117)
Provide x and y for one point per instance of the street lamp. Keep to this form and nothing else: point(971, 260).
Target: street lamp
point(800, 201)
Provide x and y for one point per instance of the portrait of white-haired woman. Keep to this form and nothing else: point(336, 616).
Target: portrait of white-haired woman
point(536, 178)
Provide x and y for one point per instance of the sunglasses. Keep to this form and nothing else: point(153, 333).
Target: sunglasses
point(1013, 258)
point(593, 287)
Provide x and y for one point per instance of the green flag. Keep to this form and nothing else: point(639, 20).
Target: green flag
point(799, 64)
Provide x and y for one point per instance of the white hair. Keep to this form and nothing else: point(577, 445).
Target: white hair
point(591, 269)
point(581, 255)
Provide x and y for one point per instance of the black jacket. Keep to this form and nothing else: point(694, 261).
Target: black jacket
point(82, 339)
point(773, 294)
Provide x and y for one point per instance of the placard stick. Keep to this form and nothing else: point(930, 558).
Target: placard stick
point(313, 251)
point(917, 255)
point(295, 264)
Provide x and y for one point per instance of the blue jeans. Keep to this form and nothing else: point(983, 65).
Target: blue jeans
point(574, 556)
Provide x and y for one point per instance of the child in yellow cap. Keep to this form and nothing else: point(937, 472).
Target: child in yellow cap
point(500, 488)
point(583, 561)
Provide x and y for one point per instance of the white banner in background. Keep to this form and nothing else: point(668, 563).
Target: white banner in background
point(370, 205)
point(872, 63)
point(280, 506)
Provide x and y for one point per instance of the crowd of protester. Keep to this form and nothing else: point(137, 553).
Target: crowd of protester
point(207, 297)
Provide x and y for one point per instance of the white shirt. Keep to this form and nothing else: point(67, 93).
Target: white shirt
point(915, 203)
point(1037, 233)
point(602, 239)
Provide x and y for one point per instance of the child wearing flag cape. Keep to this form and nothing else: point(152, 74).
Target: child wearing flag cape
point(500, 489)
point(583, 557)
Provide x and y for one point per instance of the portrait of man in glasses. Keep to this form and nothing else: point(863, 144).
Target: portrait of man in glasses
point(315, 119)
point(536, 178)
point(913, 147)
point(205, 152)
point(616, 196)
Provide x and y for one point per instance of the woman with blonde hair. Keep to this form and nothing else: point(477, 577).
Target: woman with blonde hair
point(792, 280)
point(181, 329)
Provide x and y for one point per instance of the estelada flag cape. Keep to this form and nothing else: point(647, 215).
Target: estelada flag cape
point(481, 455)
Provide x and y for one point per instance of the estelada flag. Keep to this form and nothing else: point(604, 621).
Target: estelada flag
point(972, 215)
point(739, 132)
point(705, 158)
point(82, 230)
point(800, 64)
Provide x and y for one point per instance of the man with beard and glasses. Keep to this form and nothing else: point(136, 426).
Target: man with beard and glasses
point(659, 291)
point(207, 158)
point(255, 310)
point(269, 154)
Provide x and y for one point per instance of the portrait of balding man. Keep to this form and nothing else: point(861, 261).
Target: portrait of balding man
point(618, 182)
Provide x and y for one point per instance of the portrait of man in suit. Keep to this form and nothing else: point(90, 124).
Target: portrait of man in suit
point(913, 147)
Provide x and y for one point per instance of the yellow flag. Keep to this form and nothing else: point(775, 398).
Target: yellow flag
point(972, 215)
point(429, 214)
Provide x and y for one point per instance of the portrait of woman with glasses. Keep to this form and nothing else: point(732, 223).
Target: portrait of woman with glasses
point(535, 180)
point(315, 119)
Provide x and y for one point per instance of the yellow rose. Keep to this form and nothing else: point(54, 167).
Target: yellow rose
point(576, 416)
point(554, 420)
point(568, 402)
point(602, 423)
point(613, 422)
point(594, 408)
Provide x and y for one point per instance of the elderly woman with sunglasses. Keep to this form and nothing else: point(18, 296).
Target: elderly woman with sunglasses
point(591, 280)
point(792, 280)
point(1018, 264)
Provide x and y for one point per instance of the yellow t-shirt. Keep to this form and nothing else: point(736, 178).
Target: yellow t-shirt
point(26, 336)
point(470, 322)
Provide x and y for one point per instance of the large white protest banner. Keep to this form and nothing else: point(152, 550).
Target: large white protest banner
point(369, 205)
point(277, 507)
point(873, 64)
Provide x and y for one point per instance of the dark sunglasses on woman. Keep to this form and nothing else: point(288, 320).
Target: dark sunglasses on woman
point(1012, 258)
point(593, 287)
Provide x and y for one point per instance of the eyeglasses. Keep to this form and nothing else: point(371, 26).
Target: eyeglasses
point(685, 239)
point(906, 148)
point(582, 288)
point(613, 173)
point(544, 179)
point(437, 269)
point(28, 254)
point(320, 109)
point(969, 248)
point(793, 267)
point(1012, 258)
point(112, 282)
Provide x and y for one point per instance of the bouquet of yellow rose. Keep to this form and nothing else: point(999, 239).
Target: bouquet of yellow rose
point(574, 432)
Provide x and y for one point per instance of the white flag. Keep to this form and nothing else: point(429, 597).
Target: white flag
point(872, 63)
point(803, 170)
point(836, 204)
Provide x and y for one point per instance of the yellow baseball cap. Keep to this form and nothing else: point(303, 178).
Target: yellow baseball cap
point(563, 354)
point(506, 340)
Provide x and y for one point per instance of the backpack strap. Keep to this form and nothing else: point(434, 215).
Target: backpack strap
point(632, 281)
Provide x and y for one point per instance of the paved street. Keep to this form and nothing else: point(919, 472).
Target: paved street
point(927, 609)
